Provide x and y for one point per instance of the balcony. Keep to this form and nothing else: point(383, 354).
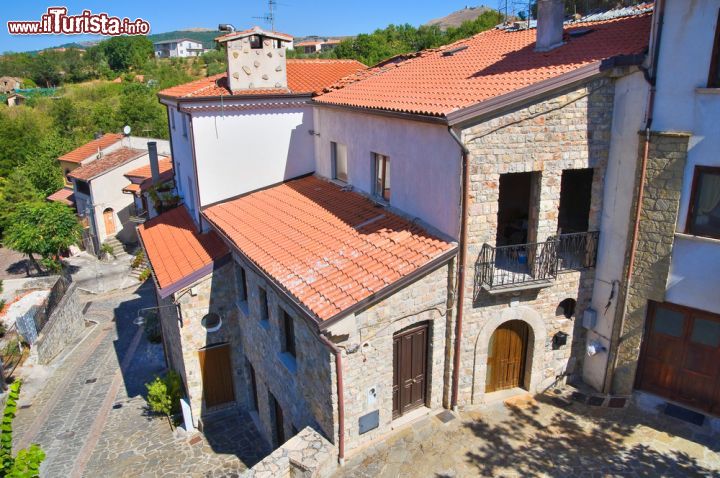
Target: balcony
point(137, 215)
point(533, 265)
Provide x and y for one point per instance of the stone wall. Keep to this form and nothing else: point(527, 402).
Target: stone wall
point(304, 386)
point(308, 454)
point(172, 341)
point(368, 351)
point(570, 130)
point(64, 325)
point(661, 200)
point(215, 293)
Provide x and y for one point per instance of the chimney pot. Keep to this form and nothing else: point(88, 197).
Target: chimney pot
point(550, 16)
point(154, 164)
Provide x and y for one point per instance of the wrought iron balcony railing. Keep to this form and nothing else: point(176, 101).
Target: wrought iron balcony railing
point(534, 265)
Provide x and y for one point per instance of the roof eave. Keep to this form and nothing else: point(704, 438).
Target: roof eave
point(478, 111)
point(226, 98)
point(387, 113)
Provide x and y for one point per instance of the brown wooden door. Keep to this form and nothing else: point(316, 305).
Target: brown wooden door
point(506, 356)
point(680, 353)
point(409, 369)
point(215, 366)
point(109, 218)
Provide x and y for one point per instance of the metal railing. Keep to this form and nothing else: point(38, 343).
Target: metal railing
point(538, 263)
point(138, 214)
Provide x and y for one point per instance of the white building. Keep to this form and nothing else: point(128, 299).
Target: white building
point(182, 47)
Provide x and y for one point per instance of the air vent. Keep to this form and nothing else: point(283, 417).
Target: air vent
point(454, 50)
point(580, 32)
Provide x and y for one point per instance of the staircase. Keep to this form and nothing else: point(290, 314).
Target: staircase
point(117, 247)
point(139, 270)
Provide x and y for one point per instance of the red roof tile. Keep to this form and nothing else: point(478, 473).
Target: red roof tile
point(64, 195)
point(304, 76)
point(490, 64)
point(88, 149)
point(328, 247)
point(108, 162)
point(142, 176)
point(175, 249)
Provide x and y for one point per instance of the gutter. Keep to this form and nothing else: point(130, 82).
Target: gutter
point(341, 397)
point(461, 267)
point(650, 75)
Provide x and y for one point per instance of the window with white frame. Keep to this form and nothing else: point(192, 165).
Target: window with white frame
point(381, 164)
point(338, 153)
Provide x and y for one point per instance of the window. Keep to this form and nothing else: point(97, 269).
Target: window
point(253, 383)
point(82, 187)
point(262, 296)
point(189, 194)
point(241, 283)
point(714, 76)
point(171, 113)
point(184, 121)
point(288, 334)
point(256, 42)
point(382, 176)
point(338, 154)
point(704, 214)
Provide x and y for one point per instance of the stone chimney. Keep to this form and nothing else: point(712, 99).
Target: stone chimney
point(256, 59)
point(154, 165)
point(550, 16)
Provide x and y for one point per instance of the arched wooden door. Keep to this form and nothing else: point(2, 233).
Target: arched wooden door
point(506, 356)
point(109, 218)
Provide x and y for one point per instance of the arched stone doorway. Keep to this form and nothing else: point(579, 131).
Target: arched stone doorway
point(507, 356)
point(534, 354)
point(109, 218)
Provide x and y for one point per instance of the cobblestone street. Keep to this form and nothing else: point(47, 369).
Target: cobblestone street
point(88, 412)
point(546, 437)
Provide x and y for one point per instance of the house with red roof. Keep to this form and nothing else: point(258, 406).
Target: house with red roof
point(418, 235)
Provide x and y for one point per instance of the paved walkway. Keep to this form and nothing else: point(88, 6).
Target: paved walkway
point(14, 265)
point(101, 276)
point(88, 412)
point(543, 438)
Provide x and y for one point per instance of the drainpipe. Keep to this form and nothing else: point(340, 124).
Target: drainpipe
point(461, 267)
point(341, 397)
point(650, 74)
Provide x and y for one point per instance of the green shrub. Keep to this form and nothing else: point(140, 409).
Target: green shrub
point(144, 275)
point(107, 250)
point(164, 395)
point(138, 259)
point(27, 462)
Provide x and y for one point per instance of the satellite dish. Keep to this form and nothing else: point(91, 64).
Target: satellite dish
point(126, 130)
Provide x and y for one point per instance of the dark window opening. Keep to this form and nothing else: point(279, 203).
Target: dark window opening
point(704, 213)
point(254, 400)
point(277, 418)
point(575, 197)
point(514, 208)
point(241, 283)
point(382, 176)
point(82, 187)
point(262, 295)
point(289, 334)
point(714, 76)
point(338, 153)
point(567, 308)
point(256, 42)
point(211, 321)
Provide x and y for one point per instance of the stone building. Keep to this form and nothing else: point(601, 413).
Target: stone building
point(432, 245)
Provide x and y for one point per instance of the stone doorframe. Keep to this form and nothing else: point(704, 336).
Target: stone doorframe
point(535, 354)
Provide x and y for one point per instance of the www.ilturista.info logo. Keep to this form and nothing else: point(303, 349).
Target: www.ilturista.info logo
point(57, 21)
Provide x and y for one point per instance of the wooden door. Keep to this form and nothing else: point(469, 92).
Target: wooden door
point(506, 356)
point(215, 367)
point(409, 369)
point(109, 218)
point(680, 353)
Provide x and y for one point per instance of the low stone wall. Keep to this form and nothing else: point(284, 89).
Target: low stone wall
point(306, 455)
point(62, 327)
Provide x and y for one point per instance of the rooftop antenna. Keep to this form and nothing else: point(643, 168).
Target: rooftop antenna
point(269, 17)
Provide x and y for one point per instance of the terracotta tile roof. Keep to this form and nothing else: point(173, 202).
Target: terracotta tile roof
point(64, 195)
point(329, 248)
point(253, 31)
point(304, 76)
point(176, 250)
point(141, 178)
point(490, 64)
point(88, 149)
point(108, 162)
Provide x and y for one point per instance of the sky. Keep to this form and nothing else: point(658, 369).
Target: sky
point(296, 17)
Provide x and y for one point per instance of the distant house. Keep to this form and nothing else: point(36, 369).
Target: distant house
point(316, 46)
point(182, 47)
point(9, 83)
point(15, 99)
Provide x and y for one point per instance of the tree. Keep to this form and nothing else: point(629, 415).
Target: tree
point(44, 228)
point(164, 395)
point(140, 109)
point(27, 461)
point(15, 191)
point(126, 52)
point(65, 116)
